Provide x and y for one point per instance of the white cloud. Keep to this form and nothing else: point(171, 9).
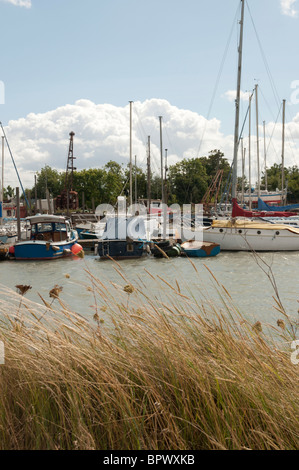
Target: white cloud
point(19, 3)
point(102, 133)
point(231, 95)
point(287, 8)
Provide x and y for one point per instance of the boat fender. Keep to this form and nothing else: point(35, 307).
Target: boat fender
point(77, 250)
point(55, 248)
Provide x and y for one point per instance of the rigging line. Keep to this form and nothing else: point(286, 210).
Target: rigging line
point(14, 165)
point(275, 93)
point(217, 81)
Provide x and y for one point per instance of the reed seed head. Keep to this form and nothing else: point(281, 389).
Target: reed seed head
point(129, 289)
point(23, 289)
point(257, 327)
point(55, 291)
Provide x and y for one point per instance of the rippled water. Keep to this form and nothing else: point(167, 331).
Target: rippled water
point(239, 272)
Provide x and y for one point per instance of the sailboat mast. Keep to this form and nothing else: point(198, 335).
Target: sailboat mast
point(149, 173)
point(249, 150)
point(2, 180)
point(282, 153)
point(265, 156)
point(131, 181)
point(136, 199)
point(161, 154)
point(257, 144)
point(237, 115)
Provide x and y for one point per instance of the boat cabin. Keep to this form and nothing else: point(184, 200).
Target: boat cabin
point(48, 228)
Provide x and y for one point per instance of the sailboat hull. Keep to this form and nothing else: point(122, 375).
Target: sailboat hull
point(252, 239)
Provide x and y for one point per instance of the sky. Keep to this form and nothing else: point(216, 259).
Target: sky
point(74, 65)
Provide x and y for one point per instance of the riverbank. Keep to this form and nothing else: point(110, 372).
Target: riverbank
point(146, 372)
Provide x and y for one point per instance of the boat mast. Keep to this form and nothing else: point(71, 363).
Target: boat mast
point(136, 180)
point(131, 182)
point(166, 170)
point(265, 156)
point(161, 154)
point(282, 153)
point(243, 169)
point(237, 114)
point(149, 173)
point(257, 145)
point(249, 150)
point(2, 181)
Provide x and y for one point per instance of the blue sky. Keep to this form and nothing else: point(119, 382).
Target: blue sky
point(55, 53)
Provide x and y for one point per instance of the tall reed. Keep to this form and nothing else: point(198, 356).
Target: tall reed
point(154, 371)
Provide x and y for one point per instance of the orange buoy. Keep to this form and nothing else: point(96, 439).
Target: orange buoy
point(77, 250)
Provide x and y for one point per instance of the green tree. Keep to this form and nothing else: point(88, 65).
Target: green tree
point(91, 182)
point(141, 178)
point(8, 192)
point(48, 178)
point(273, 177)
point(188, 181)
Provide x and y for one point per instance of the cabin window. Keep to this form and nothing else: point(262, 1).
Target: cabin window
point(221, 230)
point(46, 227)
point(240, 231)
point(259, 232)
point(277, 233)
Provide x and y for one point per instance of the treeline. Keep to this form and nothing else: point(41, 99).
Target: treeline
point(187, 181)
point(291, 178)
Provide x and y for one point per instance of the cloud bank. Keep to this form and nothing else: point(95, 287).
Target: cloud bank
point(287, 8)
point(19, 3)
point(102, 133)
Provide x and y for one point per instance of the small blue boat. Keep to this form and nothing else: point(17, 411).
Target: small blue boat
point(200, 249)
point(48, 237)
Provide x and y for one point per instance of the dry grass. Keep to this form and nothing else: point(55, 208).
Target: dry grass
point(143, 373)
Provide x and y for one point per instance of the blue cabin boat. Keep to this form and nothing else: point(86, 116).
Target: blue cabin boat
point(48, 237)
point(123, 238)
point(200, 249)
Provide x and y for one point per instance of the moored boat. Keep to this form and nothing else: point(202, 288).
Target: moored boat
point(48, 237)
point(123, 238)
point(200, 249)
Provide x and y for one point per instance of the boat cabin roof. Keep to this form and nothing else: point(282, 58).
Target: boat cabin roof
point(46, 218)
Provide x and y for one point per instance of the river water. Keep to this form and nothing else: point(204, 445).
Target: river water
point(241, 273)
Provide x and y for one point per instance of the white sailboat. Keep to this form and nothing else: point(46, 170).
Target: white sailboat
point(244, 234)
